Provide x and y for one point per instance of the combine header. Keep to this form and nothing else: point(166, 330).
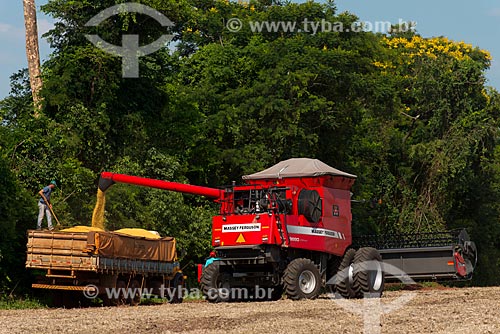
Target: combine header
point(426, 256)
point(288, 229)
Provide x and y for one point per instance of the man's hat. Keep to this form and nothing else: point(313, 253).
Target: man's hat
point(54, 183)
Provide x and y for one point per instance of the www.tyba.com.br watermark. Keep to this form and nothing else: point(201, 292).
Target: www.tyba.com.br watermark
point(169, 293)
point(313, 27)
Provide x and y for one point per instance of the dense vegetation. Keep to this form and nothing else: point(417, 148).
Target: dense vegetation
point(411, 116)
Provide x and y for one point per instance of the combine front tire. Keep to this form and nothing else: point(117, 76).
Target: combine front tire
point(216, 286)
point(302, 280)
point(368, 273)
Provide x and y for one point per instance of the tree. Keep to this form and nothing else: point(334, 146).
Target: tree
point(32, 52)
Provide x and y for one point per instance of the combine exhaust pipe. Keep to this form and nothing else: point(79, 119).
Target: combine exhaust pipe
point(107, 179)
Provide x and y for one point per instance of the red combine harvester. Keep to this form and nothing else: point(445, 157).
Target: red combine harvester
point(288, 229)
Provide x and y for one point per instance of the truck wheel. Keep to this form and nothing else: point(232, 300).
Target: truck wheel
point(176, 290)
point(344, 277)
point(368, 273)
point(135, 293)
point(121, 288)
point(216, 286)
point(302, 280)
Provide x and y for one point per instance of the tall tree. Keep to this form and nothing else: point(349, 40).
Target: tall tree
point(32, 51)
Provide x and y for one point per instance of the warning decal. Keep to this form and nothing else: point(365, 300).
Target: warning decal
point(240, 238)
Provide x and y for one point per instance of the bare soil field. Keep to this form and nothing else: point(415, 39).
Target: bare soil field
point(465, 310)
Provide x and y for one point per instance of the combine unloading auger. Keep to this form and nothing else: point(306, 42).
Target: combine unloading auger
point(107, 179)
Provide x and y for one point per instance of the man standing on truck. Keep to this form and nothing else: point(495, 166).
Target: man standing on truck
point(44, 205)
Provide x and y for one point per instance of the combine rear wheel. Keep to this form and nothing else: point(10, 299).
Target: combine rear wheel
point(345, 275)
point(302, 280)
point(368, 273)
point(216, 286)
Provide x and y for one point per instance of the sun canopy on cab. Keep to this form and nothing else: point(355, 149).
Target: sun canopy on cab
point(297, 167)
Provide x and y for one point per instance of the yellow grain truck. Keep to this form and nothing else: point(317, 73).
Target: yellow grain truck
point(120, 267)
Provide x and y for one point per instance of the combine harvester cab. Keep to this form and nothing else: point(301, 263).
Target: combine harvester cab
point(116, 266)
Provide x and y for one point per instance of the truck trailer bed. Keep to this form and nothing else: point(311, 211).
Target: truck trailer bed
point(100, 252)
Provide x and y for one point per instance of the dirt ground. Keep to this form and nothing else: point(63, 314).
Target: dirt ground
point(465, 310)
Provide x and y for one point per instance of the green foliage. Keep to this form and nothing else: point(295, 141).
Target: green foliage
point(11, 303)
point(15, 209)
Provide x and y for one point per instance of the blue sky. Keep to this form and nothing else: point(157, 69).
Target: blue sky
point(475, 22)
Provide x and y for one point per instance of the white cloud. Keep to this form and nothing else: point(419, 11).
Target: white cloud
point(44, 26)
point(494, 12)
point(4, 27)
point(11, 32)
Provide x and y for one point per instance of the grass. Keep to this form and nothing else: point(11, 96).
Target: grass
point(18, 303)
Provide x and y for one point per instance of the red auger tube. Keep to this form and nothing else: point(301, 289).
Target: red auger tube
point(108, 178)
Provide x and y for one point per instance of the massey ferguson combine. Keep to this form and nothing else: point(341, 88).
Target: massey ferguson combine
point(288, 229)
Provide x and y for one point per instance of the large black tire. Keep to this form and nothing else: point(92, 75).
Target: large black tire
point(135, 288)
point(216, 286)
point(344, 276)
point(302, 280)
point(176, 290)
point(121, 287)
point(368, 273)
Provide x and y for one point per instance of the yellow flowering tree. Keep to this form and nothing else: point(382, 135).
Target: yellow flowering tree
point(441, 129)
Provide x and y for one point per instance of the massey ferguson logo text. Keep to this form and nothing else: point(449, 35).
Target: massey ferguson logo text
point(241, 228)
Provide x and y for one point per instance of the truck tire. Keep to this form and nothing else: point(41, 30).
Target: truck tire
point(368, 273)
point(216, 286)
point(344, 277)
point(135, 288)
point(302, 280)
point(121, 288)
point(176, 296)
